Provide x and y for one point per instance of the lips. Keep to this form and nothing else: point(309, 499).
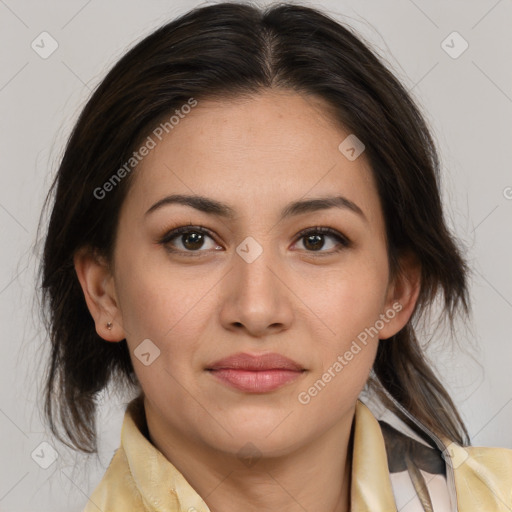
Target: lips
point(256, 374)
point(244, 361)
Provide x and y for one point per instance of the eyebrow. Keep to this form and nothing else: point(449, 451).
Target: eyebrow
point(218, 209)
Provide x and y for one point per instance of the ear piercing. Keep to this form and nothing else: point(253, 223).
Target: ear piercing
point(109, 325)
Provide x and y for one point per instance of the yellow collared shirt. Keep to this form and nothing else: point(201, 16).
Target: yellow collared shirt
point(140, 479)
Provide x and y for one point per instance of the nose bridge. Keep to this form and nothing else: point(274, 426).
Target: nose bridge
point(254, 261)
point(256, 297)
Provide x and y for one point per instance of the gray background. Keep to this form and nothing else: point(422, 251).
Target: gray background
point(467, 101)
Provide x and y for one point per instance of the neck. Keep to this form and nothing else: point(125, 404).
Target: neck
point(309, 478)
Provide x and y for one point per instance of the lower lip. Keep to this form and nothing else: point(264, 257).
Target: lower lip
point(256, 381)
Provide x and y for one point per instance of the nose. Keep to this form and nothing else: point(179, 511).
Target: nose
point(256, 297)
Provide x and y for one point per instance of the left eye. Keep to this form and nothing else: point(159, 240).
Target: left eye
point(192, 239)
point(314, 237)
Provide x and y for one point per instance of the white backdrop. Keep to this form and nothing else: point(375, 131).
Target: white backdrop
point(465, 93)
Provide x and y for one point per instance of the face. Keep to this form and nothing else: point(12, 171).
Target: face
point(255, 276)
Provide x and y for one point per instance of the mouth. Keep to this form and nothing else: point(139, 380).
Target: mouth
point(256, 374)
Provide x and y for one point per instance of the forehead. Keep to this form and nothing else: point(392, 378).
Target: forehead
point(264, 151)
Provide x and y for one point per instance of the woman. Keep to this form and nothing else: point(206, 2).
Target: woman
point(246, 226)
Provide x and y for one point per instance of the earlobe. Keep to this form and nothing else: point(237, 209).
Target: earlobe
point(98, 288)
point(402, 296)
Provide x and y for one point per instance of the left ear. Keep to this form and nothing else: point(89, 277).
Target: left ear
point(402, 295)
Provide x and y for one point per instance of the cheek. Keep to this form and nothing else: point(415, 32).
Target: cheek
point(349, 305)
point(166, 307)
point(350, 298)
point(152, 311)
point(345, 354)
point(154, 298)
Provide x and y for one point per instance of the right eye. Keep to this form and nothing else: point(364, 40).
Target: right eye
point(191, 238)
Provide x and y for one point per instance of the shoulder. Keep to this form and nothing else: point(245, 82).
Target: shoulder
point(116, 490)
point(436, 469)
point(483, 476)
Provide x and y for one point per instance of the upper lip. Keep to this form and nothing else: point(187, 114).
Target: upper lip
point(261, 362)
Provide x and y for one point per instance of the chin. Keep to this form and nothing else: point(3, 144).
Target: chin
point(267, 435)
point(247, 447)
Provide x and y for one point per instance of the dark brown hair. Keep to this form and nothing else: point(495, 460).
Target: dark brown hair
point(221, 51)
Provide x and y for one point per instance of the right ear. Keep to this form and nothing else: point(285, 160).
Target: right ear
point(98, 286)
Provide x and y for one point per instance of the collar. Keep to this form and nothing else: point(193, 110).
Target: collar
point(164, 489)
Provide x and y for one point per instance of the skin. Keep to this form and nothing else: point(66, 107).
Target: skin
point(256, 154)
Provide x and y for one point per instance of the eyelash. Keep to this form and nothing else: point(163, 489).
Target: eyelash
point(344, 242)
